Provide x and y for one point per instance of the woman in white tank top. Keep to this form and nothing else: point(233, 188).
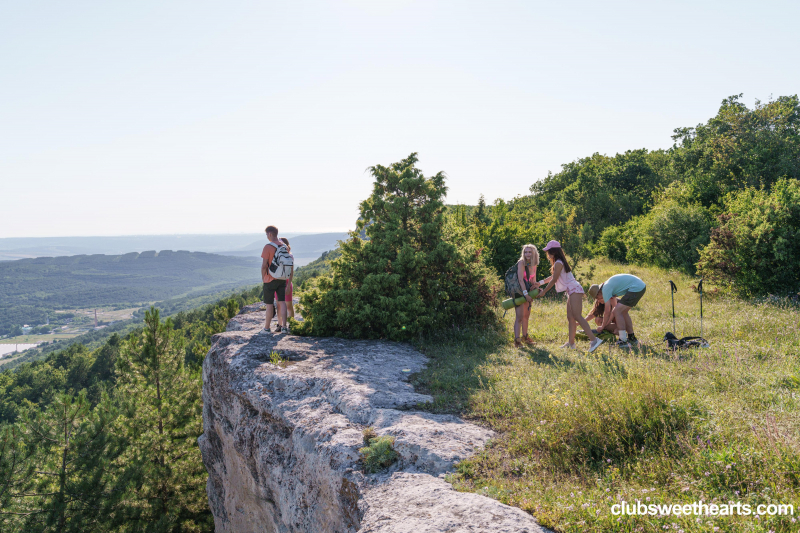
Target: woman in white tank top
point(565, 281)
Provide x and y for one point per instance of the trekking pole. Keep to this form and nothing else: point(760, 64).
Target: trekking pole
point(674, 289)
point(700, 288)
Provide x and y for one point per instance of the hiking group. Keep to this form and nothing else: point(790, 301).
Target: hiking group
point(613, 299)
point(277, 271)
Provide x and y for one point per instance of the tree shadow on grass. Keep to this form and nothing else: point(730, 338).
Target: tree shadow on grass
point(660, 351)
point(541, 356)
point(453, 374)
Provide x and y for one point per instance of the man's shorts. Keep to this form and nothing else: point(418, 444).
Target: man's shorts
point(632, 298)
point(288, 293)
point(276, 286)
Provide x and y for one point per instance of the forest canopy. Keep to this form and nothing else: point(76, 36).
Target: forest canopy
point(724, 192)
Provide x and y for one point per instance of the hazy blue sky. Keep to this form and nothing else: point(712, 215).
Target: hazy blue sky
point(214, 117)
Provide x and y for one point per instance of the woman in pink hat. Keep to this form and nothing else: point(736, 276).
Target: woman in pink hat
point(565, 281)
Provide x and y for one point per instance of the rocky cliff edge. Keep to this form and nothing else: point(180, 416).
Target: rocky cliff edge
point(281, 441)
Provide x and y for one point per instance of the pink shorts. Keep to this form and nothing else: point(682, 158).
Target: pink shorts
point(287, 294)
point(574, 289)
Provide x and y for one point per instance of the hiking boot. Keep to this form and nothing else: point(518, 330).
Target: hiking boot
point(277, 328)
point(285, 330)
point(517, 343)
point(623, 344)
point(633, 340)
point(597, 342)
point(527, 340)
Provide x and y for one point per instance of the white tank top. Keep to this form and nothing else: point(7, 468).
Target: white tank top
point(565, 280)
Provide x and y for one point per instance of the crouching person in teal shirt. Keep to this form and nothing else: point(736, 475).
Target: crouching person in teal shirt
point(628, 289)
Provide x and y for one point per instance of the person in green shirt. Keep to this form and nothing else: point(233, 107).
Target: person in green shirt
point(628, 289)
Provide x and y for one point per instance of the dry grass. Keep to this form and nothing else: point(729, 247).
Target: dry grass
point(578, 432)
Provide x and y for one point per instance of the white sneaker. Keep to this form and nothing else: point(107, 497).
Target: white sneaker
point(568, 346)
point(597, 342)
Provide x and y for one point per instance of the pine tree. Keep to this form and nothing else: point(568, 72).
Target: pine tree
point(481, 217)
point(16, 473)
point(406, 278)
point(162, 476)
point(67, 486)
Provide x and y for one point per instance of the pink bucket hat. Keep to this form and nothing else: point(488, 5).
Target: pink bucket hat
point(552, 244)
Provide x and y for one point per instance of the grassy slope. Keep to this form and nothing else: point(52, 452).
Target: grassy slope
point(579, 432)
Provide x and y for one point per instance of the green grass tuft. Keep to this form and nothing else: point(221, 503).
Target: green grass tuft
point(276, 359)
point(379, 453)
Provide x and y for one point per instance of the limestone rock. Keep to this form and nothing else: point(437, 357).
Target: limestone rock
point(281, 442)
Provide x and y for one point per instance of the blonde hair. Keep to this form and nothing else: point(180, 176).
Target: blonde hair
point(534, 257)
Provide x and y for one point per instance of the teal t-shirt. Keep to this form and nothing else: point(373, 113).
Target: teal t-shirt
point(620, 284)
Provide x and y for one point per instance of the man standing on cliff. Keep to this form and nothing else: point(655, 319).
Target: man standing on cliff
point(275, 278)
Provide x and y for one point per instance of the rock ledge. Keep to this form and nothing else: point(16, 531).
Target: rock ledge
point(281, 441)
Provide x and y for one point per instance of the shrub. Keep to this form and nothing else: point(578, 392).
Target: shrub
point(407, 278)
point(612, 244)
point(669, 236)
point(756, 248)
point(378, 454)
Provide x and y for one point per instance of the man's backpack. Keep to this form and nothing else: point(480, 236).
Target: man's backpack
point(513, 287)
point(282, 263)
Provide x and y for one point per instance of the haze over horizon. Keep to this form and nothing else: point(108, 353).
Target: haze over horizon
point(305, 247)
point(154, 118)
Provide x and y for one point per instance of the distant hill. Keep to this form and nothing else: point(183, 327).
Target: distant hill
point(30, 247)
point(305, 248)
point(308, 246)
point(315, 268)
point(29, 288)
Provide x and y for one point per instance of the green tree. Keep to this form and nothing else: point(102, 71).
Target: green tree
point(407, 278)
point(600, 191)
point(71, 448)
point(739, 148)
point(162, 476)
point(102, 372)
point(756, 248)
point(500, 240)
point(481, 216)
point(16, 472)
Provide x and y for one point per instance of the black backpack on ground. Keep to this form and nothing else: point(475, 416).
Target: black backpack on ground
point(674, 343)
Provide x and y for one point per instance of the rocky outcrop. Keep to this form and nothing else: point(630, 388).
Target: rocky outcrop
point(281, 441)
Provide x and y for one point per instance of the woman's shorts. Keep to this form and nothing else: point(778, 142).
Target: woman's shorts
point(574, 289)
point(288, 291)
point(632, 298)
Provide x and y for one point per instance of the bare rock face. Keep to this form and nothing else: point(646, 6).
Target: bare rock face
point(281, 440)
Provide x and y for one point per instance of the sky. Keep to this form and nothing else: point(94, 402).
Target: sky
point(153, 117)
